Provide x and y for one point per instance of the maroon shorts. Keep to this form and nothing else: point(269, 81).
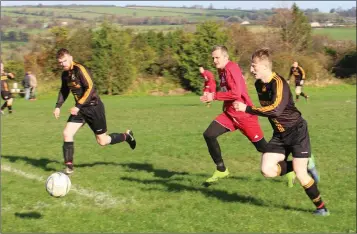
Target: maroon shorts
point(248, 126)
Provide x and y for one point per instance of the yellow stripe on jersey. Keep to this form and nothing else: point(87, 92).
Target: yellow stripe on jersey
point(303, 72)
point(89, 80)
point(279, 95)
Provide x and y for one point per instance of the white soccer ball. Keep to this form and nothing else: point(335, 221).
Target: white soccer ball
point(58, 184)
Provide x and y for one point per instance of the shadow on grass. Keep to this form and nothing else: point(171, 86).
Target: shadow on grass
point(165, 179)
point(28, 215)
point(162, 173)
point(40, 163)
point(218, 194)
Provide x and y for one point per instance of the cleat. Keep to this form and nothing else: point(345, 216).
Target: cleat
point(291, 176)
point(218, 175)
point(311, 169)
point(131, 140)
point(321, 212)
point(68, 170)
point(2, 112)
point(307, 98)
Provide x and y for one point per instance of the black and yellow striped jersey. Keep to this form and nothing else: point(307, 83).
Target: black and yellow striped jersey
point(298, 73)
point(78, 80)
point(4, 84)
point(277, 103)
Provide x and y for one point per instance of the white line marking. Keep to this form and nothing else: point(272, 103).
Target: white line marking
point(101, 198)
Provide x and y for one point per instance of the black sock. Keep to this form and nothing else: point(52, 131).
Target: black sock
point(10, 109)
point(4, 105)
point(284, 167)
point(210, 135)
point(303, 94)
point(68, 152)
point(314, 194)
point(297, 97)
point(221, 167)
point(261, 145)
point(117, 138)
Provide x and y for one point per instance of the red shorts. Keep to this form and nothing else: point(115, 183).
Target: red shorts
point(248, 126)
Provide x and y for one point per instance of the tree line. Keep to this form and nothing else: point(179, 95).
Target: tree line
point(117, 56)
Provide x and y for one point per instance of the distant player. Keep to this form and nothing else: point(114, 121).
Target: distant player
point(233, 87)
point(299, 75)
point(290, 129)
point(210, 83)
point(5, 91)
point(88, 108)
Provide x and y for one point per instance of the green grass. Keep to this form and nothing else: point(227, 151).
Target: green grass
point(157, 187)
point(337, 33)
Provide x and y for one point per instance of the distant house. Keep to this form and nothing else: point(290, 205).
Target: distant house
point(315, 24)
point(328, 24)
point(64, 23)
point(245, 22)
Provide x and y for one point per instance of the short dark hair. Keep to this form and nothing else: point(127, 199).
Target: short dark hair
point(62, 52)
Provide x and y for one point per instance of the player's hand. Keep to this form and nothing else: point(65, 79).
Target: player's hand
point(239, 106)
point(12, 76)
point(57, 112)
point(74, 110)
point(301, 82)
point(288, 81)
point(207, 97)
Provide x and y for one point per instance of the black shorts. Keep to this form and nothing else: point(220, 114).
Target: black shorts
point(6, 95)
point(297, 83)
point(296, 141)
point(94, 116)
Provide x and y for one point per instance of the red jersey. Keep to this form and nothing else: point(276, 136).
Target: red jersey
point(210, 83)
point(233, 88)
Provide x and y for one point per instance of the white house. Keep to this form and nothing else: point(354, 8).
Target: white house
point(245, 23)
point(315, 24)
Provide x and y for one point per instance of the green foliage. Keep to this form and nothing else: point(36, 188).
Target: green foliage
point(198, 52)
point(15, 68)
point(113, 59)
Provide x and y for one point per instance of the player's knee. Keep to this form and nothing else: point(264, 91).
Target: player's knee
point(209, 136)
point(67, 134)
point(102, 142)
point(267, 171)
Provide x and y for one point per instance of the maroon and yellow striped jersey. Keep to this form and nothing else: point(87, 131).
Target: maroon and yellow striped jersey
point(277, 103)
point(78, 80)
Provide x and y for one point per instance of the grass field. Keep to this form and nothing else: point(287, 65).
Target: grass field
point(337, 33)
point(157, 187)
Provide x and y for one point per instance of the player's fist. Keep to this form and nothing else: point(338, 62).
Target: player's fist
point(57, 112)
point(239, 106)
point(301, 82)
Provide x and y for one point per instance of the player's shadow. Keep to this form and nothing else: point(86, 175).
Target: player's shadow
point(224, 196)
point(216, 193)
point(162, 173)
point(41, 162)
point(28, 215)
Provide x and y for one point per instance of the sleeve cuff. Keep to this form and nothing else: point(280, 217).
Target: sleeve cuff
point(248, 109)
point(78, 105)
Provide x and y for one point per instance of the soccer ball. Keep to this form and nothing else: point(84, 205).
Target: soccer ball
point(58, 184)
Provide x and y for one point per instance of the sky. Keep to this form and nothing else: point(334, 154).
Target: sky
point(323, 6)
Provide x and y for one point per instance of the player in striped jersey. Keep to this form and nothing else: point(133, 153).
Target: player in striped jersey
point(88, 108)
point(290, 129)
